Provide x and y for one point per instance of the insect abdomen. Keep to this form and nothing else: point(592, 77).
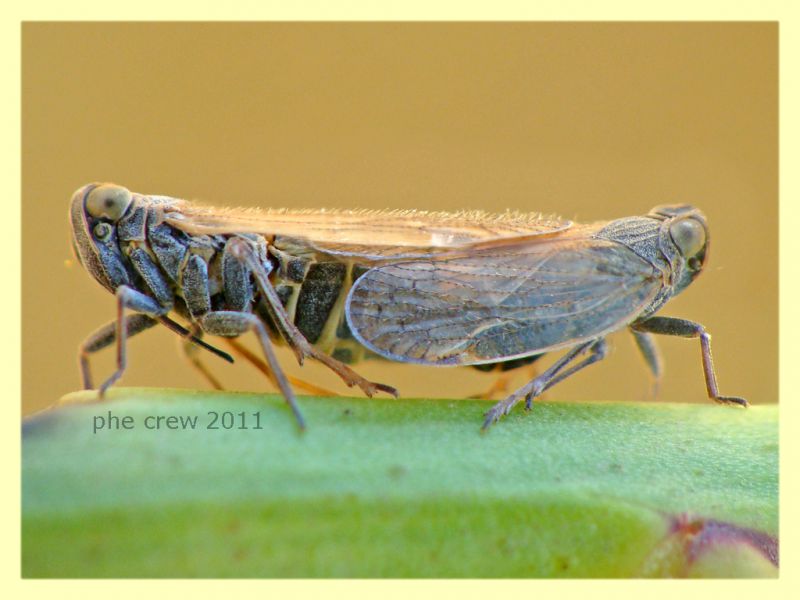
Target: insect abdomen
point(313, 289)
point(322, 287)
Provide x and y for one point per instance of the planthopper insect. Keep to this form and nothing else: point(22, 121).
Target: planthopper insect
point(432, 288)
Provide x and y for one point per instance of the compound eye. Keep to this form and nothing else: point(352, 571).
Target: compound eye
point(690, 237)
point(108, 201)
point(102, 231)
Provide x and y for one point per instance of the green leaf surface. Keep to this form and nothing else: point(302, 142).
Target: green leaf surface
point(395, 488)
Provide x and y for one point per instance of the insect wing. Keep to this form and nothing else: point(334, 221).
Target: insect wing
point(500, 303)
point(370, 234)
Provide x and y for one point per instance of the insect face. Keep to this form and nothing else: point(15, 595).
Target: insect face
point(690, 237)
point(94, 212)
point(686, 230)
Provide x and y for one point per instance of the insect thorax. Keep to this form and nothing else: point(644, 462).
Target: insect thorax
point(312, 286)
point(645, 237)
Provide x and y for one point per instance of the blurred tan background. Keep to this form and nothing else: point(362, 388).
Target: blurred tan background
point(590, 121)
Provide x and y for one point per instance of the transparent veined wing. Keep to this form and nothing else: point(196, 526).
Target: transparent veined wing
point(501, 302)
point(366, 233)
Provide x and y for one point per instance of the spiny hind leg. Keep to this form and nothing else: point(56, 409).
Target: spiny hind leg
point(504, 372)
point(556, 373)
point(245, 252)
point(348, 375)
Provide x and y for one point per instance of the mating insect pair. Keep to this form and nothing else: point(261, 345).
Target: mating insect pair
point(417, 287)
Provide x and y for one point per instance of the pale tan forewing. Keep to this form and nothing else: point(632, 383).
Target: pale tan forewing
point(501, 302)
point(369, 234)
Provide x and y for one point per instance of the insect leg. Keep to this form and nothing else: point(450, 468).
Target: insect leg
point(185, 333)
point(504, 371)
point(259, 364)
point(597, 352)
point(233, 324)
point(194, 280)
point(299, 344)
point(104, 337)
point(155, 307)
point(652, 357)
point(107, 334)
point(190, 352)
point(128, 298)
point(499, 385)
point(553, 375)
point(690, 329)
